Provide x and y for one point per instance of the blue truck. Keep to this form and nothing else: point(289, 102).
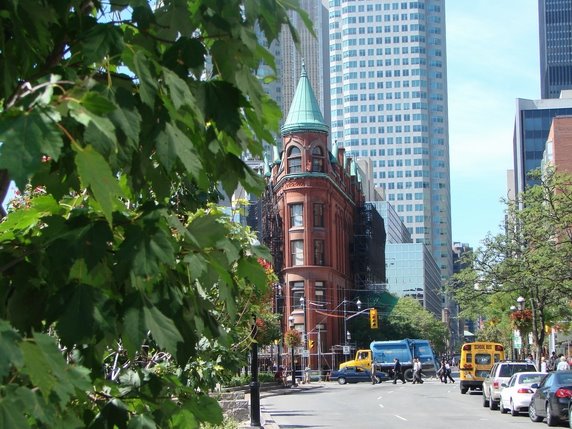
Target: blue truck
point(381, 354)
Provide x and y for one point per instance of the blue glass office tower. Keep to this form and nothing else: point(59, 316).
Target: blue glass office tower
point(555, 27)
point(532, 124)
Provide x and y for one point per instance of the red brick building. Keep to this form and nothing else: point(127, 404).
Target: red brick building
point(314, 193)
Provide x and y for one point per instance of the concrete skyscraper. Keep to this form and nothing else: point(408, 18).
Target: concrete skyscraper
point(554, 22)
point(388, 74)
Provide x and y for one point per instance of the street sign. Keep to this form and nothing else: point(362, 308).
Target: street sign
point(346, 350)
point(305, 353)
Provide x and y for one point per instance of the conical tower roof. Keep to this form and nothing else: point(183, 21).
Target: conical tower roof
point(304, 114)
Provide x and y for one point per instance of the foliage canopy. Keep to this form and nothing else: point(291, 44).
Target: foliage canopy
point(529, 259)
point(128, 118)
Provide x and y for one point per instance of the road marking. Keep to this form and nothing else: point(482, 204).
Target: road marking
point(399, 417)
point(379, 397)
point(381, 406)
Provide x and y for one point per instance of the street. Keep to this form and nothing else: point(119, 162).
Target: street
point(432, 405)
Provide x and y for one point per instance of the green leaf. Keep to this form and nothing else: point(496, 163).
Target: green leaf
point(126, 118)
point(221, 103)
point(97, 103)
point(100, 41)
point(184, 419)
point(142, 421)
point(9, 349)
point(147, 82)
point(144, 252)
point(11, 417)
point(81, 317)
point(48, 370)
point(95, 174)
point(173, 145)
point(206, 230)
point(26, 137)
point(250, 269)
point(20, 222)
point(179, 91)
point(162, 329)
point(134, 328)
point(87, 118)
point(205, 409)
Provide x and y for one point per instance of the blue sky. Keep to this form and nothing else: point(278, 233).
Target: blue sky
point(492, 59)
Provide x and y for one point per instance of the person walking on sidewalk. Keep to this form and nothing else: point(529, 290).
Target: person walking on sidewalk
point(448, 372)
point(397, 374)
point(417, 371)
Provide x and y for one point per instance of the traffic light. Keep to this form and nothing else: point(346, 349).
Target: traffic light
point(373, 318)
point(311, 344)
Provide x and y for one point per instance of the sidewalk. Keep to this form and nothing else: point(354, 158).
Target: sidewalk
point(266, 419)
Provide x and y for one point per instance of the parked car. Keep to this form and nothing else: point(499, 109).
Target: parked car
point(552, 398)
point(500, 373)
point(516, 394)
point(356, 374)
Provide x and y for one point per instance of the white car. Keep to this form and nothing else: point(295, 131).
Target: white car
point(516, 394)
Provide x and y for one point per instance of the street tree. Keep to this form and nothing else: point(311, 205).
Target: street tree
point(123, 290)
point(530, 258)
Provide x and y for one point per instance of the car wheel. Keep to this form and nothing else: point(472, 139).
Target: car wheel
point(513, 411)
point(551, 420)
point(485, 400)
point(408, 374)
point(464, 390)
point(502, 409)
point(342, 380)
point(532, 413)
point(493, 404)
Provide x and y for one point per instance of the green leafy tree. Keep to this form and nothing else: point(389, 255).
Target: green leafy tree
point(123, 292)
point(530, 258)
point(403, 318)
point(412, 319)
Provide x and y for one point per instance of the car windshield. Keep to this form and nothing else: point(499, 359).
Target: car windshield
point(530, 378)
point(509, 370)
point(564, 378)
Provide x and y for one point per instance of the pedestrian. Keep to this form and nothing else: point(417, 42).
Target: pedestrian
point(552, 361)
point(543, 364)
point(307, 371)
point(442, 372)
point(448, 372)
point(563, 364)
point(397, 374)
point(417, 371)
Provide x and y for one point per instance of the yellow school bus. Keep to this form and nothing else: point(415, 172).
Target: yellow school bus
point(476, 361)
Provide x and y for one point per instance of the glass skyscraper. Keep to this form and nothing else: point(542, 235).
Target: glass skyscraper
point(531, 127)
point(555, 23)
point(388, 84)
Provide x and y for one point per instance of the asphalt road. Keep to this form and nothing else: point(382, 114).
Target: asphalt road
point(432, 405)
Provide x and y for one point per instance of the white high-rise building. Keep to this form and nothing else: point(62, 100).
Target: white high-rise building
point(388, 75)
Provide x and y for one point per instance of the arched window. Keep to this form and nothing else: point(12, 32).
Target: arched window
point(317, 159)
point(294, 160)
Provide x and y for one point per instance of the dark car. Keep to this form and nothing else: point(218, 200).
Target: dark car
point(356, 374)
point(551, 398)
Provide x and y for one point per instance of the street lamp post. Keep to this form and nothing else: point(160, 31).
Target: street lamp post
point(293, 367)
point(520, 301)
point(304, 335)
point(347, 333)
point(512, 310)
point(254, 384)
point(345, 321)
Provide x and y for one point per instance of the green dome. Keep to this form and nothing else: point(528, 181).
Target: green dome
point(304, 114)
